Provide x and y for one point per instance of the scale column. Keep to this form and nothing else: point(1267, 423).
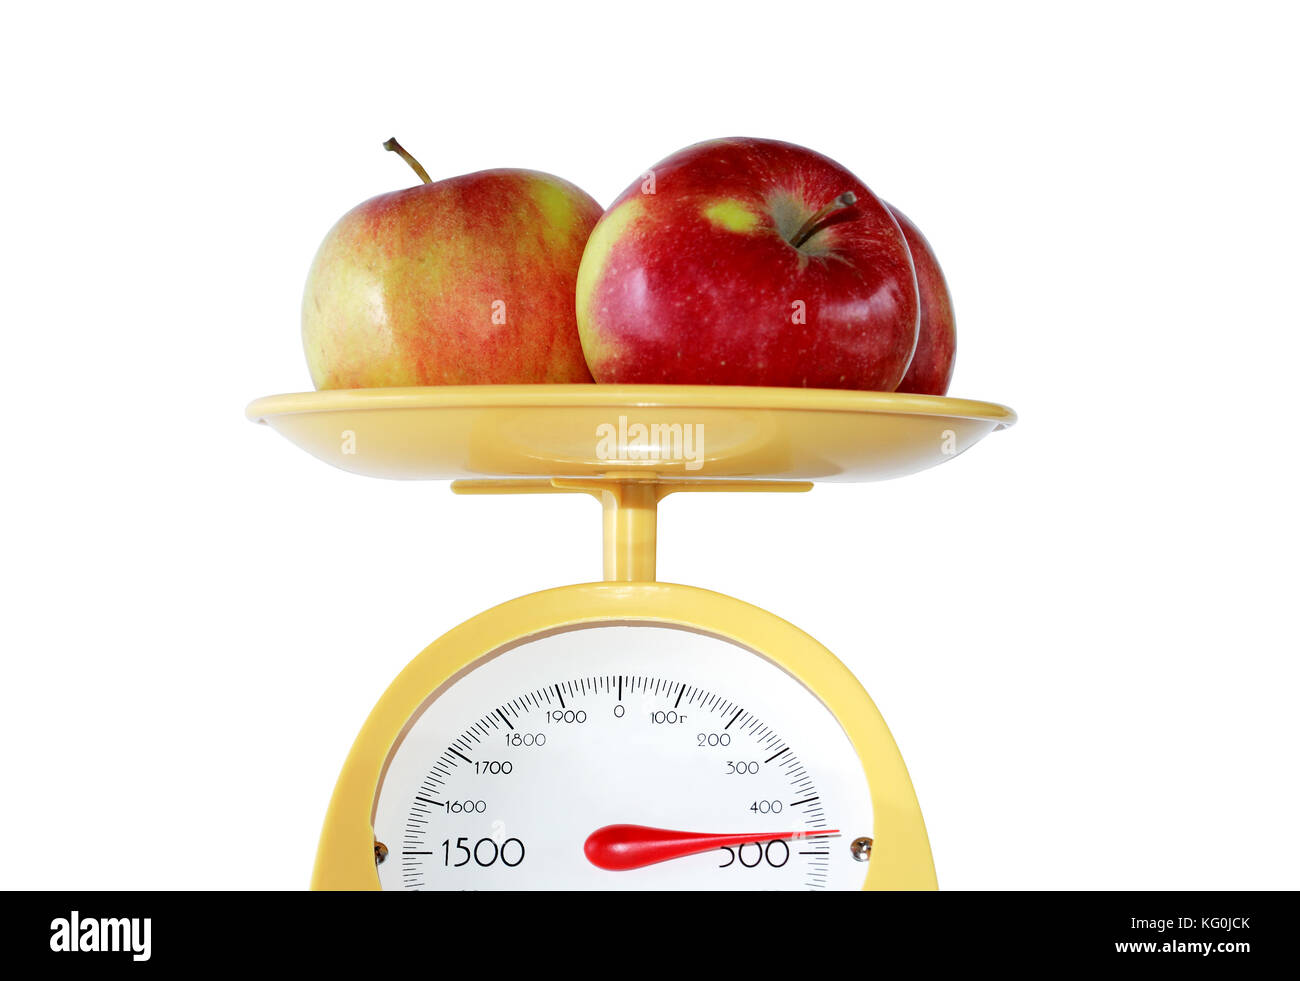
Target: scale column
point(631, 526)
point(631, 509)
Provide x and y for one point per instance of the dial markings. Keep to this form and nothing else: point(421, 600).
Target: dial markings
point(775, 754)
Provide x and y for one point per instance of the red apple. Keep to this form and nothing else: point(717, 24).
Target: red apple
point(936, 343)
point(748, 262)
point(461, 282)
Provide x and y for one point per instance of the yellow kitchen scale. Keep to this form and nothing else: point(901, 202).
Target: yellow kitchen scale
point(626, 734)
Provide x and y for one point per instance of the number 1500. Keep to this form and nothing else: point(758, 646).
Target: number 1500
point(485, 852)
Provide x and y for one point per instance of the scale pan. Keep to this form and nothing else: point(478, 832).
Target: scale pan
point(663, 432)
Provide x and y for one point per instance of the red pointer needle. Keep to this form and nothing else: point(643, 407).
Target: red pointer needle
point(620, 847)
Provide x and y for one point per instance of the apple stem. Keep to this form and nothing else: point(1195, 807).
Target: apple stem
point(397, 148)
point(810, 227)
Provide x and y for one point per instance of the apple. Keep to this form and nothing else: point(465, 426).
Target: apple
point(936, 342)
point(748, 262)
point(463, 281)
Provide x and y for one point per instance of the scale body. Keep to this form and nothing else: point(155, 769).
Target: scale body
point(626, 734)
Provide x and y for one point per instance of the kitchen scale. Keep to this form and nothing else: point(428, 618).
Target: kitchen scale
point(629, 733)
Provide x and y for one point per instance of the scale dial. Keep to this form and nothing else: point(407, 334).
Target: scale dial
point(598, 756)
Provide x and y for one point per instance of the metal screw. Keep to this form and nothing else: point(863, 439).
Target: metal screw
point(381, 852)
point(861, 849)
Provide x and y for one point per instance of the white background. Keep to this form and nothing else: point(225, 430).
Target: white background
point(1082, 633)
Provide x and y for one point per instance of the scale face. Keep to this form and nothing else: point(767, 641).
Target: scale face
point(505, 776)
point(626, 734)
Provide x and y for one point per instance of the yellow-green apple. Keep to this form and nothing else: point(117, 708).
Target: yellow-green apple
point(464, 281)
point(748, 262)
point(936, 342)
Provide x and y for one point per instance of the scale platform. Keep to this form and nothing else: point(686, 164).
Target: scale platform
point(626, 734)
point(545, 431)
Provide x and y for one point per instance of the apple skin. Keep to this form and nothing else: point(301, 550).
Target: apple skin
point(698, 282)
point(936, 344)
point(408, 287)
